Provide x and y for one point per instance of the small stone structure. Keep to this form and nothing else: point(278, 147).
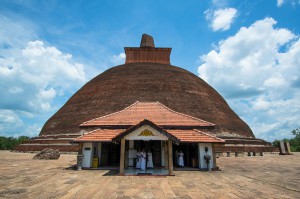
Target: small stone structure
point(48, 154)
point(147, 41)
point(284, 148)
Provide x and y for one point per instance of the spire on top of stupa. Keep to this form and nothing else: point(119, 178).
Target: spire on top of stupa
point(147, 52)
point(147, 41)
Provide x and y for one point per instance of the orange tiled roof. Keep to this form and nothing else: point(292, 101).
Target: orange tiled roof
point(107, 135)
point(153, 111)
point(194, 136)
point(100, 135)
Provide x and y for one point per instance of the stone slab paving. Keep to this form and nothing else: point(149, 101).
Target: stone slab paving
point(270, 176)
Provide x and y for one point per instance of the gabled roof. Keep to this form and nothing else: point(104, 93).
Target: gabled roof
point(146, 122)
point(177, 136)
point(195, 136)
point(99, 135)
point(153, 111)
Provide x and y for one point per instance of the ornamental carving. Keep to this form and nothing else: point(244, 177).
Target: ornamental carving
point(146, 133)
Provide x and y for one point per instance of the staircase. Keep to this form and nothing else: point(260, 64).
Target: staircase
point(62, 142)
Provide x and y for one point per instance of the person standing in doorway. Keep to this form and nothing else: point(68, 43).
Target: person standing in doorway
point(177, 157)
point(180, 159)
point(143, 160)
point(138, 159)
point(150, 160)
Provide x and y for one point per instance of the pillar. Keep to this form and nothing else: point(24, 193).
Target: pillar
point(199, 156)
point(166, 154)
point(287, 148)
point(213, 153)
point(79, 156)
point(282, 148)
point(80, 145)
point(170, 156)
point(126, 160)
point(122, 156)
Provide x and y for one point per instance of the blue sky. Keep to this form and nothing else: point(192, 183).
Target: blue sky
point(247, 50)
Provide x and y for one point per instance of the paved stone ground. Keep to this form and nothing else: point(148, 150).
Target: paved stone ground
point(270, 176)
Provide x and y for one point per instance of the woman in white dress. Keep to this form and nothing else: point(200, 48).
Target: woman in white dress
point(143, 162)
point(138, 159)
point(180, 159)
point(177, 157)
point(150, 160)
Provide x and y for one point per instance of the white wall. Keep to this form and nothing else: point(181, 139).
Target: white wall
point(135, 135)
point(202, 162)
point(87, 154)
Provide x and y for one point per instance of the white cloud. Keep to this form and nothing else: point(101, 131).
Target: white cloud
point(291, 2)
point(279, 3)
point(257, 70)
point(221, 19)
point(32, 76)
point(10, 122)
point(118, 59)
point(219, 3)
point(33, 73)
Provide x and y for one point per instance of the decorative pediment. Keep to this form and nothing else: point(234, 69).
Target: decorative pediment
point(146, 132)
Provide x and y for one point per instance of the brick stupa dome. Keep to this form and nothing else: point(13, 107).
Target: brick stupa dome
point(146, 76)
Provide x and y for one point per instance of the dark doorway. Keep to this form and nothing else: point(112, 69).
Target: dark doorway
point(154, 146)
point(110, 154)
point(190, 151)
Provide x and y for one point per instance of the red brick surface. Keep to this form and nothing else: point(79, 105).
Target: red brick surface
point(62, 148)
point(121, 86)
point(153, 55)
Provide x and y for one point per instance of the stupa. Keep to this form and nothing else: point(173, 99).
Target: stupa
point(146, 76)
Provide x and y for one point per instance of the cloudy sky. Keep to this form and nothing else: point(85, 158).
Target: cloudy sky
point(249, 51)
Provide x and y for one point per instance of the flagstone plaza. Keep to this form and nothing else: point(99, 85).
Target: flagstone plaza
point(270, 176)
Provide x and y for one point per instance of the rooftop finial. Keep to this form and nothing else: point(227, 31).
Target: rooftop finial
point(147, 41)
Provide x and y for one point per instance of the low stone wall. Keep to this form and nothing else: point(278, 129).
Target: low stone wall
point(239, 149)
point(40, 147)
point(47, 141)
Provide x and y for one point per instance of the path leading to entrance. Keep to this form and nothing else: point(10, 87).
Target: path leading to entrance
point(270, 176)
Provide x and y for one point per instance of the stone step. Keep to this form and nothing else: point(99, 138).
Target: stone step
point(40, 147)
point(47, 141)
point(56, 136)
point(246, 149)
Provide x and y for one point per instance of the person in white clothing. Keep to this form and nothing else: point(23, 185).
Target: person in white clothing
point(150, 160)
point(180, 159)
point(143, 160)
point(177, 157)
point(138, 159)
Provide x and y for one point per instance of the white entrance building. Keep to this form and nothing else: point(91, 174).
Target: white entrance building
point(118, 137)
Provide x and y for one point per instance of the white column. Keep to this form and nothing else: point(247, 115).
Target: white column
point(87, 154)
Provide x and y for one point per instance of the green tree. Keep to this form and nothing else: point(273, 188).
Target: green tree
point(276, 143)
point(295, 142)
point(9, 143)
